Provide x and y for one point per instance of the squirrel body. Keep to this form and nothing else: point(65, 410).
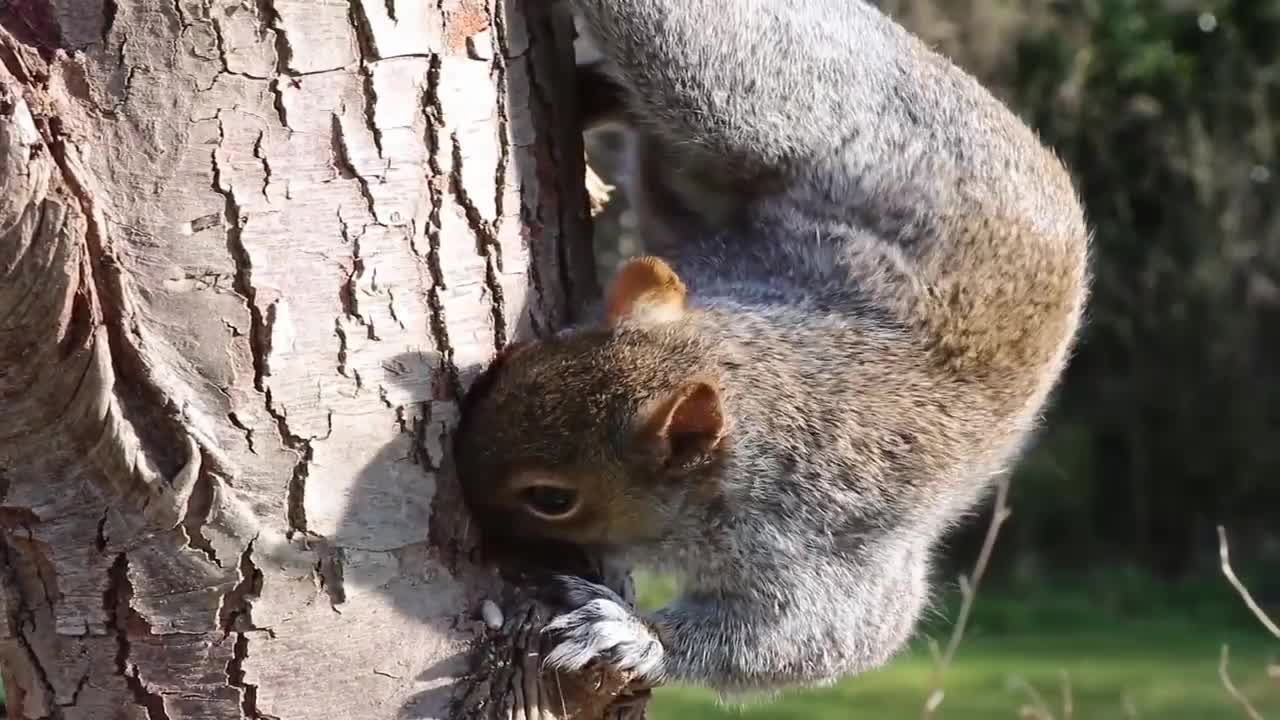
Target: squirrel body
point(868, 278)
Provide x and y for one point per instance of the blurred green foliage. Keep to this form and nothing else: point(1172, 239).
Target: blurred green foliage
point(1168, 422)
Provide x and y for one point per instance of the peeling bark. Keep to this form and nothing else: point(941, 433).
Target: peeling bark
point(251, 253)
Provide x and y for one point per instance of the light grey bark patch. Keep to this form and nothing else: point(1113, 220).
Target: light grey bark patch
point(402, 28)
point(330, 42)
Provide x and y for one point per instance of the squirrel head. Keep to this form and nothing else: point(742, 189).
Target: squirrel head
point(598, 435)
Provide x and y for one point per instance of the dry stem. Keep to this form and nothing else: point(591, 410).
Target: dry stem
point(1068, 700)
point(1232, 690)
point(1225, 555)
point(1257, 611)
point(1131, 708)
point(968, 591)
point(1038, 709)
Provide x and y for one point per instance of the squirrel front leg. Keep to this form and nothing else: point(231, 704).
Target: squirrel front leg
point(765, 632)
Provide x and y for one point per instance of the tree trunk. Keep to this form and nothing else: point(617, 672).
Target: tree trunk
point(251, 253)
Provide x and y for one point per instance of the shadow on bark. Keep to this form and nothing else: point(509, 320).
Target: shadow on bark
point(499, 674)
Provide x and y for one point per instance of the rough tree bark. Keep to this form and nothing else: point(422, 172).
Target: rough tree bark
point(251, 251)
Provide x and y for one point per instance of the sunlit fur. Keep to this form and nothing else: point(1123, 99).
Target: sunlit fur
point(882, 287)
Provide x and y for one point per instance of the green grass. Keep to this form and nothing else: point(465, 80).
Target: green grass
point(1163, 675)
point(1162, 660)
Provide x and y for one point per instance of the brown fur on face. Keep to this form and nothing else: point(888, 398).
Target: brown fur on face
point(633, 417)
point(630, 423)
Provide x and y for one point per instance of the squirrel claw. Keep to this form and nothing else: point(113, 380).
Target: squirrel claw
point(603, 627)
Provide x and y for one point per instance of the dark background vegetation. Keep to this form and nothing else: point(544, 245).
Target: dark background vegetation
point(1168, 421)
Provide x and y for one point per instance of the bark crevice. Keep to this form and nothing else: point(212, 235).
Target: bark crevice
point(122, 619)
point(359, 20)
point(493, 248)
point(109, 10)
point(200, 505)
point(439, 323)
point(235, 608)
point(25, 624)
point(345, 168)
point(296, 492)
point(271, 20)
point(486, 239)
point(241, 261)
point(236, 679)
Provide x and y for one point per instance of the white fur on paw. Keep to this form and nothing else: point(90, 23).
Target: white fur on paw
point(605, 629)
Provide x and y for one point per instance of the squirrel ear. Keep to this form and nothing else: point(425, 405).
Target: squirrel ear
point(646, 289)
point(690, 424)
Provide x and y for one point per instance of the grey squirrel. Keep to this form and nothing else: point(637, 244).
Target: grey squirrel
point(867, 278)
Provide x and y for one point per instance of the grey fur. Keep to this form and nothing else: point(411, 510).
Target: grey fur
point(886, 271)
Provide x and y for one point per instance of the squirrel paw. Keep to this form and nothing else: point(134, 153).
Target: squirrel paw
point(603, 627)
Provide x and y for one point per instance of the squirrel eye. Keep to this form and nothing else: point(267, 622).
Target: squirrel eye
point(550, 501)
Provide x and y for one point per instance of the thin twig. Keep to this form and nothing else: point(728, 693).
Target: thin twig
point(935, 650)
point(1232, 690)
point(1068, 701)
point(1131, 708)
point(968, 592)
point(1038, 708)
point(1258, 612)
